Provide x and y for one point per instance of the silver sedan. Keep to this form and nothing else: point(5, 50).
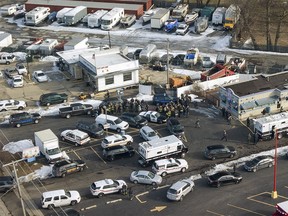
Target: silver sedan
point(145, 177)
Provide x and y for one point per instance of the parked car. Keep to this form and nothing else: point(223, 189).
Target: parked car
point(134, 120)
point(7, 183)
point(259, 162)
point(163, 99)
point(180, 189)
point(12, 105)
point(115, 140)
point(112, 122)
point(40, 76)
point(107, 186)
point(145, 177)
point(10, 72)
point(90, 128)
point(164, 59)
point(219, 151)
point(24, 118)
point(58, 198)
point(166, 166)
point(207, 62)
point(52, 98)
point(224, 177)
point(76, 137)
point(182, 29)
point(117, 152)
point(178, 59)
point(17, 81)
point(153, 116)
point(63, 167)
point(174, 127)
point(75, 109)
point(21, 69)
point(147, 133)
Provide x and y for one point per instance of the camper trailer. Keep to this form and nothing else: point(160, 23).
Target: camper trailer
point(112, 18)
point(179, 12)
point(145, 54)
point(159, 18)
point(37, 15)
point(94, 21)
point(61, 13)
point(8, 10)
point(218, 16)
point(75, 15)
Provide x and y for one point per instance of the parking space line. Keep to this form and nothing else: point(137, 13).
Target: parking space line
point(264, 203)
point(211, 212)
point(97, 154)
point(138, 195)
point(113, 201)
point(89, 207)
point(244, 209)
point(78, 157)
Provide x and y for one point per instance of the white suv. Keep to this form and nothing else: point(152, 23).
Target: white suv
point(107, 186)
point(111, 122)
point(116, 140)
point(17, 81)
point(12, 105)
point(75, 136)
point(180, 189)
point(165, 166)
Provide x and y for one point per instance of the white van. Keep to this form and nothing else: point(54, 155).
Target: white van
point(17, 81)
point(7, 58)
point(113, 122)
point(57, 198)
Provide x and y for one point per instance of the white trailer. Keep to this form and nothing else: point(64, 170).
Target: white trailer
point(266, 127)
point(112, 18)
point(37, 15)
point(48, 144)
point(218, 16)
point(159, 18)
point(8, 10)
point(160, 148)
point(180, 11)
point(146, 54)
point(94, 21)
point(75, 15)
point(61, 13)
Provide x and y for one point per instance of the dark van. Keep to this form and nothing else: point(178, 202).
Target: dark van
point(24, 118)
point(52, 98)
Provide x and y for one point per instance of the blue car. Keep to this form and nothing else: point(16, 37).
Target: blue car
point(24, 118)
point(171, 25)
point(163, 99)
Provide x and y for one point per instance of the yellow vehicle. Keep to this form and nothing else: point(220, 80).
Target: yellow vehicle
point(231, 17)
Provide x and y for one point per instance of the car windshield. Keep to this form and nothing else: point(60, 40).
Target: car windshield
point(137, 118)
point(17, 80)
point(152, 134)
point(105, 141)
point(40, 74)
point(178, 127)
point(157, 115)
point(21, 66)
point(67, 193)
point(255, 161)
point(151, 175)
point(206, 58)
point(115, 183)
point(53, 151)
point(181, 27)
point(118, 121)
point(172, 191)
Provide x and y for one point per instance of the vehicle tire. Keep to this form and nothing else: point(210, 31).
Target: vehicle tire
point(20, 108)
point(51, 206)
point(237, 182)
point(279, 136)
point(36, 121)
point(164, 174)
point(48, 104)
point(68, 116)
point(154, 184)
point(130, 154)
point(232, 155)
point(100, 125)
point(135, 182)
point(183, 169)
point(63, 138)
point(76, 144)
point(73, 202)
point(181, 199)
point(81, 169)
point(64, 101)
point(160, 122)
point(118, 130)
point(7, 63)
point(100, 195)
point(89, 112)
point(63, 175)
point(18, 125)
point(218, 185)
point(138, 126)
point(213, 158)
point(254, 170)
point(112, 158)
point(129, 143)
point(270, 165)
point(183, 155)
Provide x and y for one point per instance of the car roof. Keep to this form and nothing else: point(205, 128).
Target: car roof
point(165, 161)
point(147, 129)
point(6, 178)
point(212, 147)
point(53, 193)
point(7, 101)
point(103, 182)
point(129, 114)
point(62, 163)
point(179, 184)
point(142, 172)
point(221, 173)
point(110, 117)
point(174, 121)
point(78, 132)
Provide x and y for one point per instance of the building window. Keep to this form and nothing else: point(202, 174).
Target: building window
point(109, 80)
point(127, 76)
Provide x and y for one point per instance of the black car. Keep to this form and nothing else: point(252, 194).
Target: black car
point(63, 167)
point(163, 99)
point(134, 120)
point(219, 151)
point(224, 177)
point(7, 183)
point(116, 152)
point(52, 98)
point(174, 127)
point(259, 162)
point(24, 118)
point(90, 128)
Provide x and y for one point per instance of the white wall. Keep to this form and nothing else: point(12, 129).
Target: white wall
point(6, 41)
point(145, 89)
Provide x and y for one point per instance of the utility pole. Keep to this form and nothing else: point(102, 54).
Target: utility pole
point(109, 39)
point(17, 181)
point(167, 84)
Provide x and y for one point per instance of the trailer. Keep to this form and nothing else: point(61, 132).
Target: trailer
point(207, 12)
point(169, 146)
point(112, 18)
point(266, 127)
point(145, 55)
point(37, 15)
point(94, 21)
point(180, 11)
point(191, 57)
point(75, 15)
point(232, 16)
point(8, 10)
point(159, 18)
point(218, 16)
point(61, 13)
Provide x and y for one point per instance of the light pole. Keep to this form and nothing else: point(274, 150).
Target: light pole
point(167, 84)
point(106, 124)
point(28, 56)
point(274, 194)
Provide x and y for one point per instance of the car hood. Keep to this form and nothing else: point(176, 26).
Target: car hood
point(74, 195)
point(36, 115)
point(231, 148)
point(121, 182)
point(250, 164)
point(42, 78)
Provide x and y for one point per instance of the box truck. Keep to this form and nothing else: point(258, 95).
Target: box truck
point(48, 145)
point(94, 21)
point(218, 16)
point(159, 18)
point(112, 18)
point(75, 15)
point(169, 146)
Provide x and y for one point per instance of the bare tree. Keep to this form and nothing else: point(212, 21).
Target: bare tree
point(268, 4)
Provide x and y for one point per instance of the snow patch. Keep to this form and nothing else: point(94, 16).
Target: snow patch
point(43, 173)
point(19, 146)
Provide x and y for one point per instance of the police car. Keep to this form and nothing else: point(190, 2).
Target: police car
point(107, 186)
point(165, 166)
point(153, 116)
point(12, 105)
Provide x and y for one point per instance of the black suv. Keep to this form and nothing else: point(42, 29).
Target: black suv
point(174, 127)
point(219, 151)
point(6, 183)
point(64, 167)
point(134, 120)
point(163, 99)
point(52, 98)
point(24, 118)
point(91, 129)
point(116, 152)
